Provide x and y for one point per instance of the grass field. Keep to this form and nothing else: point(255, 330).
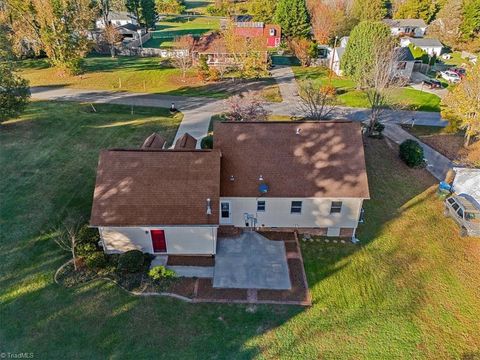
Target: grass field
point(409, 291)
point(137, 74)
point(171, 27)
point(348, 95)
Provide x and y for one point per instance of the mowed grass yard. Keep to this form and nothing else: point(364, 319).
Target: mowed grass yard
point(348, 95)
point(137, 74)
point(408, 291)
point(172, 27)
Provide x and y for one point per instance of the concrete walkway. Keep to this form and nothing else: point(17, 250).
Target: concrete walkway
point(285, 79)
point(437, 164)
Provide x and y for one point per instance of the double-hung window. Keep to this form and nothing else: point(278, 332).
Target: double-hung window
point(336, 207)
point(296, 207)
point(261, 206)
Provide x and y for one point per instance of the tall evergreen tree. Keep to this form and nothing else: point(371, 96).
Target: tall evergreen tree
point(417, 9)
point(359, 54)
point(374, 10)
point(143, 10)
point(262, 10)
point(470, 26)
point(14, 90)
point(292, 16)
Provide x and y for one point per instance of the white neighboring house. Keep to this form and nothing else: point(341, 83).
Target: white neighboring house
point(403, 67)
point(433, 47)
point(282, 176)
point(120, 18)
point(407, 27)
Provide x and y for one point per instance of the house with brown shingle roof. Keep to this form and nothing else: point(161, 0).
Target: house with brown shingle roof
point(309, 176)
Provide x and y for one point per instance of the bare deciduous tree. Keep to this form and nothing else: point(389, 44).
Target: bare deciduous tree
point(381, 78)
point(111, 36)
point(316, 101)
point(246, 108)
point(67, 237)
point(182, 58)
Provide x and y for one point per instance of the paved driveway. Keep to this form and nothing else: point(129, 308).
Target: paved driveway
point(250, 261)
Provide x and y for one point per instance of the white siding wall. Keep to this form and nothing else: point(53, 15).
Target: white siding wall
point(181, 240)
point(315, 212)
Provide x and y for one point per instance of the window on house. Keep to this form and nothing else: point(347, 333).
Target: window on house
point(296, 207)
point(336, 207)
point(260, 206)
point(272, 32)
point(401, 65)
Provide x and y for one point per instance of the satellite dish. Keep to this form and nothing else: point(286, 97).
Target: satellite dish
point(263, 188)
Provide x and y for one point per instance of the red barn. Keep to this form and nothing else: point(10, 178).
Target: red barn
point(250, 29)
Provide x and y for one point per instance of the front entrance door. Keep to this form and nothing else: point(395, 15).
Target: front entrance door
point(158, 241)
point(225, 212)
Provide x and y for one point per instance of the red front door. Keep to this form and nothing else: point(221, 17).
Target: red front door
point(158, 241)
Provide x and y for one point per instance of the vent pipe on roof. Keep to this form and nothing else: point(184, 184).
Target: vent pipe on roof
point(209, 207)
point(298, 131)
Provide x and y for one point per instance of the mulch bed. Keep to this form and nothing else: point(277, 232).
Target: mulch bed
point(291, 247)
point(278, 235)
point(299, 291)
point(202, 290)
point(206, 291)
point(191, 260)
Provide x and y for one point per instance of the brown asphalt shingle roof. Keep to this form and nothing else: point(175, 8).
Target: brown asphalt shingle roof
point(154, 141)
point(186, 141)
point(326, 159)
point(156, 187)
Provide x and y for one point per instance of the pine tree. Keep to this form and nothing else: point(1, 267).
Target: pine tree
point(417, 9)
point(14, 90)
point(374, 10)
point(262, 10)
point(470, 26)
point(357, 59)
point(292, 16)
point(148, 13)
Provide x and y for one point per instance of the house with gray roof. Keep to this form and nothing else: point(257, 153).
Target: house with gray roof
point(433, 47)
point(408, 27)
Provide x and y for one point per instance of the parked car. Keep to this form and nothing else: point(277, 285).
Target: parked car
point(432, 83)
point(450, 76)
point(465, 213)
point(459, 71)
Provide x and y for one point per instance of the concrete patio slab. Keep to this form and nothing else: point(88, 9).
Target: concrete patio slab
point(251, 261)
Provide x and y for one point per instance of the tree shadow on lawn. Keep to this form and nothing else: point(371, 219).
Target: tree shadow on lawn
point(98, 318)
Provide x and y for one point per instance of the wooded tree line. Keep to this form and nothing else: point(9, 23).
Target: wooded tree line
point(59, 28)
point(455, 22)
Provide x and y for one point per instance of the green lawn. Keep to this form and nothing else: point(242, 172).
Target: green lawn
point(171, 27)
point(197, 6)
point(134, 74)
point(409, 291)
point(348, 95)
point(137, 74)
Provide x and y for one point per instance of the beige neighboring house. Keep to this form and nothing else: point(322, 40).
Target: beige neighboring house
point(282, 176)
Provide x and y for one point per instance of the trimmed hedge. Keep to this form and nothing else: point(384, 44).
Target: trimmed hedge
point(96, 260)
point(161, 272)
point(207, 142)
point(131, 261)
point(411, 153)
